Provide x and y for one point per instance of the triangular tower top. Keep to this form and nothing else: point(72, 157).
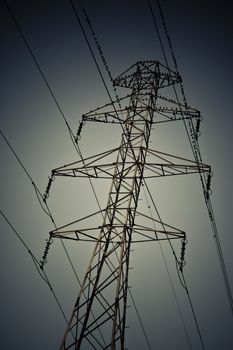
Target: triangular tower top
point(146, 72)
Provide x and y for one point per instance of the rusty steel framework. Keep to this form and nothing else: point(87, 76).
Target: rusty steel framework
point(98, 319)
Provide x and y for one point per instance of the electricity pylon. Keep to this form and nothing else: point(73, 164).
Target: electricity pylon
point(98, 319)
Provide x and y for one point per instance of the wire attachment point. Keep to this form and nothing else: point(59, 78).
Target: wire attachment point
point(182, 262)
point(43, 261)
point(197, 131)
point(77, 138)
point(46, 195)
point(208, 184)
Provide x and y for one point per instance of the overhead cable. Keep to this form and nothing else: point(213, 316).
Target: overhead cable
point(42, 274)
point(180, 272)
point(111, 100)
point(204, 181)
point(40, 71)
point(73, 139)
point(166, 264)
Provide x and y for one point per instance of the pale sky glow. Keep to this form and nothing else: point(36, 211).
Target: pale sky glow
point(201, 36)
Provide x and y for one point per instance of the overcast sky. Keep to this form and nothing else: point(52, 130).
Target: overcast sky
point(201, 33)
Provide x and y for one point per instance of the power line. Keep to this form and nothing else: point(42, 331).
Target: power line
point(58, 107)
point(42, 273)
point(70, 134)
point(38, 194)
point(183, 283)
point(167, 269)
point(40, 265)
point(100, 50)
point(109, 95)
point(111, 79)
point(140, 320)
point(13, 17)
point(46, 81)
point(91, 51)
point(166, 61)
point(69, 130)
point(61, 112)
point(37, 191)
point(94, 58)
point(197, 155)
point(19, 161)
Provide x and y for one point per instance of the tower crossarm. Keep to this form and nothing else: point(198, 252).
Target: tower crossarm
point(102, 300)
point(152, 230)
point(165, 110)
point(163, 114)
point(159, 164)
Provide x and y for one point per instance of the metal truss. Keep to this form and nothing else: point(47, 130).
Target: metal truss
point(98, 319)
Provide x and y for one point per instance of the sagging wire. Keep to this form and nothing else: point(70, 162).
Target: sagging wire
point(47, 211)
point(180, 263)
point(39, 264)
point(78, 137)
point(36, 62)
point(100, 50)
point(197, 155)
point(42, 273)
point(96, 63)
point(118, 100)
point(179, 266)
point(103, 81)
point(37, 191)
point(184, 285)
point(39, 195)
point(74, 141)
point(140, 320)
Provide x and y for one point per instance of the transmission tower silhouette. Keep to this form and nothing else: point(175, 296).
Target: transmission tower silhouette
point(98, 319)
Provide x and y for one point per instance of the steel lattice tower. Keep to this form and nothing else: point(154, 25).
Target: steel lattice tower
point(98, 318)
